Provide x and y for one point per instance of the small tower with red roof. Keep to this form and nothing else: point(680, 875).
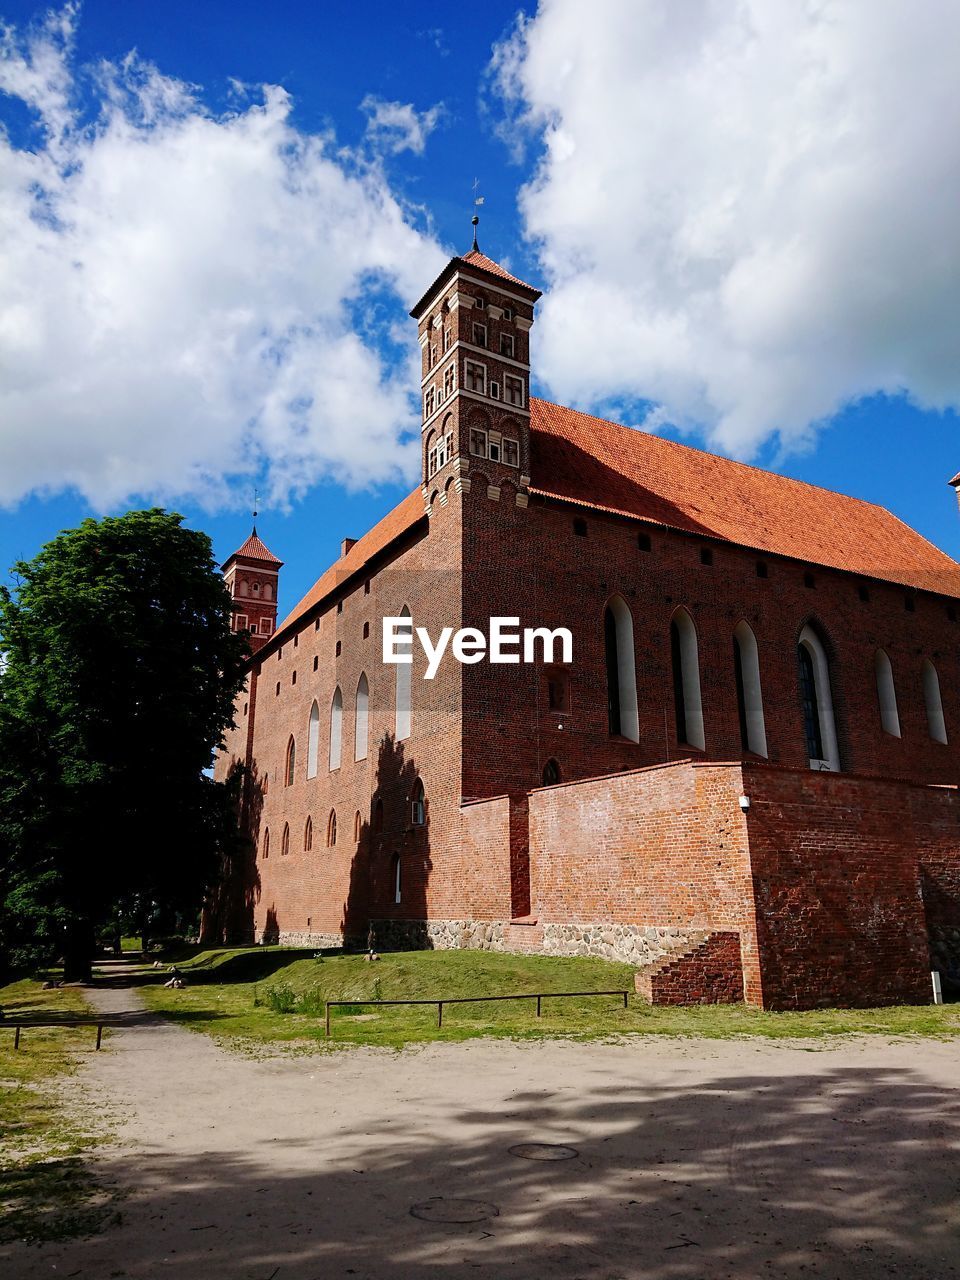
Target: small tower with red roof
point(252, 574)
point(474, 327)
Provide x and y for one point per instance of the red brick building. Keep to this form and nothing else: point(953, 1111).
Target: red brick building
point(753, 752)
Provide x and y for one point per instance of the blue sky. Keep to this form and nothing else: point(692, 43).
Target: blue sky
point(749, 312)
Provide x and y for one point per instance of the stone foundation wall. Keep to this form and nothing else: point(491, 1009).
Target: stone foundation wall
point(439, 935)
point(631, 943)
point(322, 941)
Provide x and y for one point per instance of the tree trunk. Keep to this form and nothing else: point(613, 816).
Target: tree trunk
point(78, 950)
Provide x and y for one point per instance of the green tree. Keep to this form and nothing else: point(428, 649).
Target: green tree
point(118, 674)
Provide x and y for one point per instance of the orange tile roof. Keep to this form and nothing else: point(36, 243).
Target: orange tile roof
point(397, 522)
point(481, 262)
point(254, 549)
point(601, 464)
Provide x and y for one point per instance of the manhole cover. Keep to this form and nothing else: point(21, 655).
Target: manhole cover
point(440, 1209)
point(543, 1151)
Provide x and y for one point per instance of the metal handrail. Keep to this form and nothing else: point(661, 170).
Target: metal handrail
point(527, 995)
point(18, 1027)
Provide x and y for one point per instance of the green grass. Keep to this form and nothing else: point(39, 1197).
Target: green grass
point(44, 1191)
point(229, 993)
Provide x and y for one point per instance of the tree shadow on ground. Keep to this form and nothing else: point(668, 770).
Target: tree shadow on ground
point(838, 1172)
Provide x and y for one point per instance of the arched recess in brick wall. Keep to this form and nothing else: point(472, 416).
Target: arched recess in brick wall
point(404, 670)
point(551, 773)
point(308, 835)
point(290, 763)
point(746, 663)
point(313, 741)
point(332, 829)
point(886, 694)
point(933, 702)
point(336, 728)
point(687, 701)
point(361, 718)
point(816, 698)
point(622, 712)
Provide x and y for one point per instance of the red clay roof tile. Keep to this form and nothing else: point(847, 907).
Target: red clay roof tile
point(254, 549)
point(601, 464)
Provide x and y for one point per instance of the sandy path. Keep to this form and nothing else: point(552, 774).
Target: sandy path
point(696, 1159)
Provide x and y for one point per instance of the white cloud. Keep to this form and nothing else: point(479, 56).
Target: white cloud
point(747, 210)
point(398, 126)
point(188, 299)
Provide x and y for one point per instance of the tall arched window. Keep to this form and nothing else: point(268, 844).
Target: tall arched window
point(685, 656)
point(290, 766)
point(933, 701)
point(285, 841)
point(622, 714)
point(404, 672)
point(746, 665)
point(816, 699)
point(551, 773)
point(308, 835)
point(361, 718)
point(266, 843)
point(357, 827)
point(886, 694)
point(336, 728)
point(313, 742)
point(378, 815)
point(332, 829)
point(395, 869)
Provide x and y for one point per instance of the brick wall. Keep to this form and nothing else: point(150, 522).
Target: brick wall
point(840, 918)
point(331, 889)
point(529, 563)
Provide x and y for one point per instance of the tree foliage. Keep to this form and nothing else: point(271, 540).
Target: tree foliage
point(119, 675)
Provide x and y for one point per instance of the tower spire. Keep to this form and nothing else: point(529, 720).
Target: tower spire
point(475, 220)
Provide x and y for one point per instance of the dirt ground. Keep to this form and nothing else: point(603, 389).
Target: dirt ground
point(693, 1159)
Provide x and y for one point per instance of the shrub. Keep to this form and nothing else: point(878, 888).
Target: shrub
point(282, 998)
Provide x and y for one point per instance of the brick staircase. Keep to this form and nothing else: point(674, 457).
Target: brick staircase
point(524, 933)
point(709, 972)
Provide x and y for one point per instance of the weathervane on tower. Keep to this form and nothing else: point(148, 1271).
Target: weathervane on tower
point(475, 220)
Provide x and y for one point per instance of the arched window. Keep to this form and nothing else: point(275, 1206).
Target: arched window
point(332, 829)
point(886, 694)
point(404, 671)
point(685, 658)
point(266, 843)
point(308, 835)
point(817, 702)
point(418, 804)
point(623, 717)
point(395, 875)
point(933, 701)
point(746, 666)
point(361, 719)
point(551, 773)
point(285, 841)
point(290, 767)
point(378, 815)
point(336, 728)
point(357, 827)
point(313, 742)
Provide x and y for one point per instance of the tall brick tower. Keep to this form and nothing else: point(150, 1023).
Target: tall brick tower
point(474, 328)
point(252, 574)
